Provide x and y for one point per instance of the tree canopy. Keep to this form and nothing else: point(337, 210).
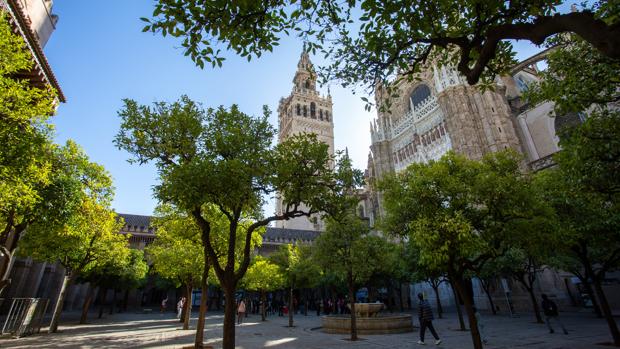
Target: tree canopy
point(584, 192)
point(460, 214)
point(263, 275)
point(583, 187)
point(81, 231)
point(176, 252)
point(25, 135)
point(296, 265)
point(218, 165)
point(369, 41)
point(571, 88)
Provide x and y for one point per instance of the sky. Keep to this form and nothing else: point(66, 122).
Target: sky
point(100, 56)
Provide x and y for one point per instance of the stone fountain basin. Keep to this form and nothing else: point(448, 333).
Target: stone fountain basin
point(380, 324)
point(367, 309)
point(368, 321)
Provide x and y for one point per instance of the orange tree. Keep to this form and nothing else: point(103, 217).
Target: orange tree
point(462, 214)
point(221, 163)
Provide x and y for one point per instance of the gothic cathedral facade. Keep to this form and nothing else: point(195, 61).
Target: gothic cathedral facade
point(438, 112)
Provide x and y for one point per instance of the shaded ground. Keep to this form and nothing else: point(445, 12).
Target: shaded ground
point(132, 330)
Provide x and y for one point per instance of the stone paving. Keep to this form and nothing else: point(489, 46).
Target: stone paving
point(130, 330)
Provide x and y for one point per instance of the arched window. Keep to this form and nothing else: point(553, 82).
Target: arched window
point(305, 110)
point(321, 114)
point(326, 115)
point(313, 110)
point(307, 83)
point(522, 83)
point(298, 109)
point(419, 95)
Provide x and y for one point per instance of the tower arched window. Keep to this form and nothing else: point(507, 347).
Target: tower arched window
point(321, 114)
point(313, 110)
point(305, 110)
point(419, 95)
point(307, 84)
point(326, 115)
point(298, 109)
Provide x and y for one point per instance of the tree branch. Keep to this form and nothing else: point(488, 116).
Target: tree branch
point(205, 228)
point(605, 38)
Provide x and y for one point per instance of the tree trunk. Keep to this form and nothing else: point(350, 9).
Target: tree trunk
point(399, 289)
point(290, 307)
point(8, 246)
point(200, 325)
point(125, 302)
point(306, 303)
point(263, 300)
point(535, 306)
point(113, 303)
point(102, 298)
point(611, 322)
point(87, 301)
point(187, 307)
point(458, 306)
point(473, 323)
point(530, 291)
point(5, 268)
point(352, 299)
point(588, 288)
point(438, 300)
point(390, 295)
point(486, 287)
point(66, 282)
point(230, 310)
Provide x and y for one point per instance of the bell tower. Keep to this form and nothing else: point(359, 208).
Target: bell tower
point(305, 111)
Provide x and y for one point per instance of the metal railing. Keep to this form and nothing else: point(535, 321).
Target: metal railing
point(25, 316)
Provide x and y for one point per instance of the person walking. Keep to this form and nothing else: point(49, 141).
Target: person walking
point(317, 304)
point(425, 315)
point(551, 313)
point(164, 304)
point(180, 305)
point(280, 306)
point(240, 311)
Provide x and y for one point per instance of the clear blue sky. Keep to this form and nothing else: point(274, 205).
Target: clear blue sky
point(100, 56)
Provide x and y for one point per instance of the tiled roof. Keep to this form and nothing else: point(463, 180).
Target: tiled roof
point(285, 235)
point(134, 222)
point(139, 223)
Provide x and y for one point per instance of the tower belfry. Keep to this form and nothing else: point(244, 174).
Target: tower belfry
point(305, 111)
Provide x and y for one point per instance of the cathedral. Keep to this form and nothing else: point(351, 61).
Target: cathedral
point(440, 111)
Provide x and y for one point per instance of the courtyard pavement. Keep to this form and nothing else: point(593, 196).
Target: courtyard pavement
point(131, 330)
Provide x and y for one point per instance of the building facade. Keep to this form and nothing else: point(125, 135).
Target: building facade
point(440, 112)
point(304, 111)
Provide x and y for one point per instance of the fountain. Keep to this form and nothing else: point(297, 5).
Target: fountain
point(369, 321)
